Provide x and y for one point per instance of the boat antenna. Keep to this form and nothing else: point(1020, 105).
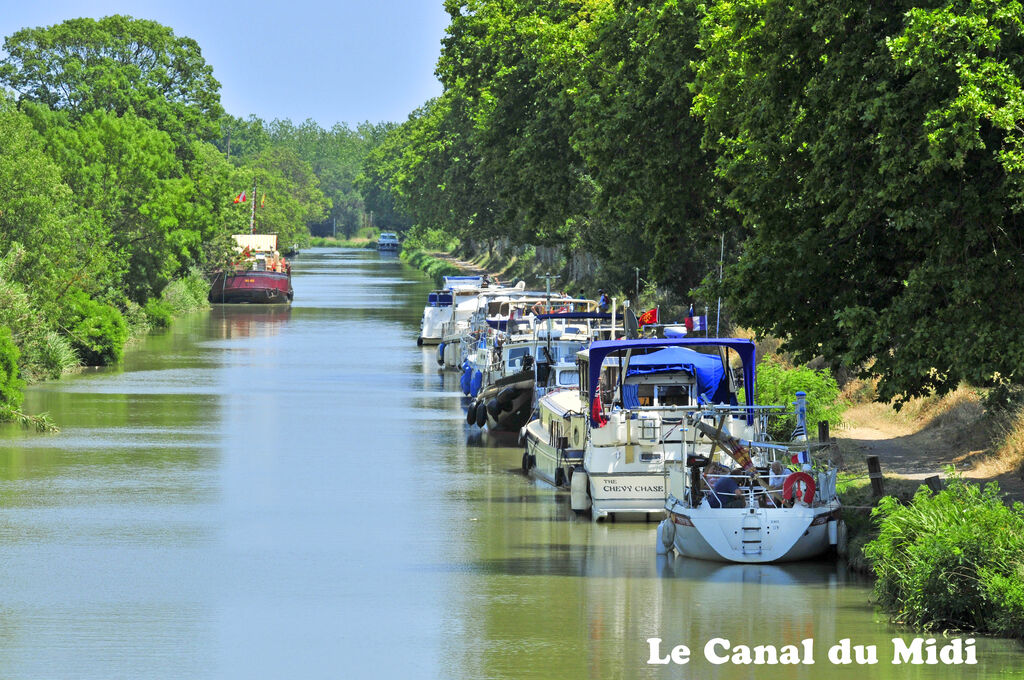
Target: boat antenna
point(718, 316)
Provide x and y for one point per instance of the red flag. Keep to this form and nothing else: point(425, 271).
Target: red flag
point(596, 415)
point(240, 198)
point(648, 317)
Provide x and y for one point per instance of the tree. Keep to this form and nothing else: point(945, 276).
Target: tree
point(874, 152)
point(118, 65)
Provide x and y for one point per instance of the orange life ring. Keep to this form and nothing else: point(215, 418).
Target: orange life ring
point(787, 486)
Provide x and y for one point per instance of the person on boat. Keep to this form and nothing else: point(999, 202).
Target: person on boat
point(727, 491)
point(602, 301)
point(777, 474)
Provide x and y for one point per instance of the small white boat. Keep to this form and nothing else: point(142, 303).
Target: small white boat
point(388, 242)
point(446, 305)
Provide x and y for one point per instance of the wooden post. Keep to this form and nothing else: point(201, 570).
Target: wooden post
point(934, 484)
point(875, 475)
point(822, 430)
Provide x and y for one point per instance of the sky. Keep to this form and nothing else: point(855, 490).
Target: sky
point(345, 61)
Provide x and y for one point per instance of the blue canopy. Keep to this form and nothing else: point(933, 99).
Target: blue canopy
point(707, 368)
point(602, 348)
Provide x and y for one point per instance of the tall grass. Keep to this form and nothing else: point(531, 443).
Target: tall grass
point(953, 560)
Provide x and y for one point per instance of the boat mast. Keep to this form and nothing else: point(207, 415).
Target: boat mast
point(252, 214)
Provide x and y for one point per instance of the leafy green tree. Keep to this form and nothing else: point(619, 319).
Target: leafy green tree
point(874, 153)
point(289, 195)
point(656, 203)
point(118, 65)
point(126, 176)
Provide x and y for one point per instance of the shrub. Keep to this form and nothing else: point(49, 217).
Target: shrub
point(10, 384)
point(187, 294)
point(98, 331)
point(56, 355)
point(158, 313)
point(436, 268)
point(777, 384)
point(954, 560)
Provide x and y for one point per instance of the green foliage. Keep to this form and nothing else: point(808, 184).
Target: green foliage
point(186, 294)
point(777, 384)
point(10, 384)
point(118, 65)
point(874, 154)
point(98, 331)
point(158, 313)
point(954, 560)
point(427, 238)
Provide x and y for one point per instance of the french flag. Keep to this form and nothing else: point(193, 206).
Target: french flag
point(696, 323)
point(801, 458)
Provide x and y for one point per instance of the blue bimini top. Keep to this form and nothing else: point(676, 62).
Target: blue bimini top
point(707, 368)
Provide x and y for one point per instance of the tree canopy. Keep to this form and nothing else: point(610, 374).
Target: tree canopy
point(863, 163)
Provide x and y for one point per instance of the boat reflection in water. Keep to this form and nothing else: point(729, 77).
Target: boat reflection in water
point(757, 604)
point(244, 321)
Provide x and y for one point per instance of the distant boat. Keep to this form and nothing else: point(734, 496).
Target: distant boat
point(388, 242)
point(259, 275)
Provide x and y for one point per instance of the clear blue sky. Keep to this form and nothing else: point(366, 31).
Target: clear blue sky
point(341, 61)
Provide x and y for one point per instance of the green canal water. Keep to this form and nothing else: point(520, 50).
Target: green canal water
point(294, 493)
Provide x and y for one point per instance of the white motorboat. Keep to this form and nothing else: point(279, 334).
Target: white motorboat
point(448, 304)
point(637, 394)
point(388, 242)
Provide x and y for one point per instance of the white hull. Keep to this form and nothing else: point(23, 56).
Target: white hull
point(627, 495)
point(430, 326)
point(748, 535)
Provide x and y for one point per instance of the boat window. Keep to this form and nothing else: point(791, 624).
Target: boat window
point(516, 355)
point(568, 378)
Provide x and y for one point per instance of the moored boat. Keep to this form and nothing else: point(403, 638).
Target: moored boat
point(388, 242)
point(449, 303)
point(734, 497)
point(259, 275)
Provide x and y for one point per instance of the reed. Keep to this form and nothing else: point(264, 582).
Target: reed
point(952, 560)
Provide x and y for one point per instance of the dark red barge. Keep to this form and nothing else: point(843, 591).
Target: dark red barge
point(260, 275)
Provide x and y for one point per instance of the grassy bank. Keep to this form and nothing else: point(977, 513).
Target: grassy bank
point(434, 267)
point(88, 332)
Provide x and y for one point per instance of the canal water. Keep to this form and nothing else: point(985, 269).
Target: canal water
point(294, 493)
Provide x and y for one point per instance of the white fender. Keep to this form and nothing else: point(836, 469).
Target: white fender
point(578, 498)
point(666, 537)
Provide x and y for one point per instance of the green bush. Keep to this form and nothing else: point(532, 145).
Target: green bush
point(56, 355)
point(777, 384)
point(158, 313)
point(954, 560)
point(187, 294)
point(10, 384)
point(426, 238)
point(98, 331)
